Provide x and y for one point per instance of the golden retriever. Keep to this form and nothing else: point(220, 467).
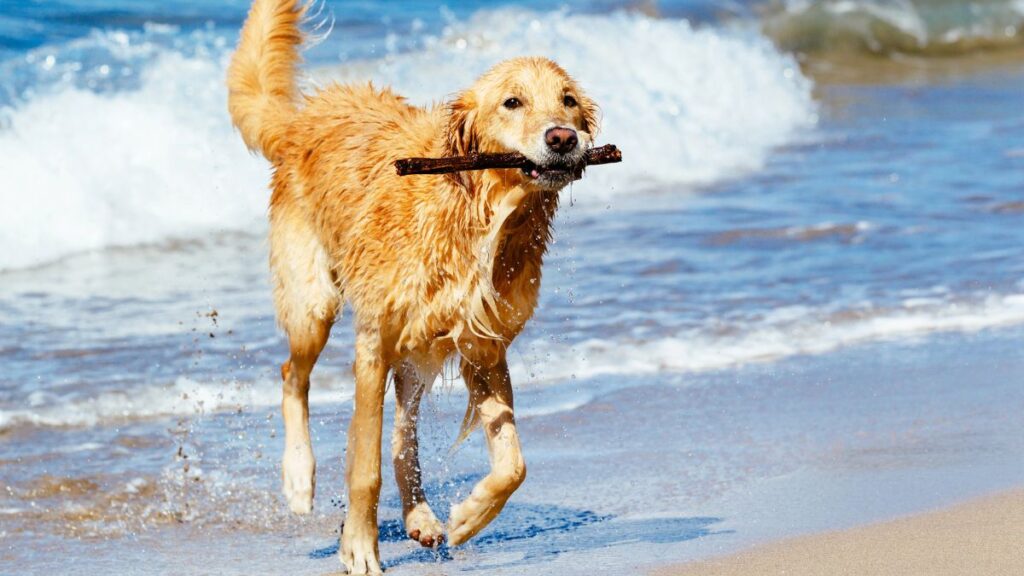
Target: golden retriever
point(433, 267)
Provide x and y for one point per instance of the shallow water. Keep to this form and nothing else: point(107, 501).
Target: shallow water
point(720, 297)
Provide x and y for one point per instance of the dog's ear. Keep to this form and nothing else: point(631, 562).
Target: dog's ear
point(462, 137)
point(591, 115)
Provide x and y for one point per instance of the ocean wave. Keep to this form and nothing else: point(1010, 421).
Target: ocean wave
point(122, 139)
point(844, 232)
point(927, 27)
point(676, 99)
point(83, 170)
point(786, 332)
point(184, 397)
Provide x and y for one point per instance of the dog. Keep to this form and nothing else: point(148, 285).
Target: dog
point(434, 268)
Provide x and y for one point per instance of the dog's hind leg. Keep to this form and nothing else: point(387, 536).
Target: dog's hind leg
point(420, 522)
point(307, 302)
point(359, 550)
point(490, 392)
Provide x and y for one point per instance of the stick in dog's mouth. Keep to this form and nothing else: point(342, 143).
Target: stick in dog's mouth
point(536, 171)
point(607, 154)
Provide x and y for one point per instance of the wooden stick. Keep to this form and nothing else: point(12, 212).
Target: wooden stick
point(606, 154)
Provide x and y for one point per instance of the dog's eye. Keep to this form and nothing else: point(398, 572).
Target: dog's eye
point(569, 101)
point(512, 103)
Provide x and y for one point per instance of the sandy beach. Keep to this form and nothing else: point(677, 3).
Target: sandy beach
point(983, 536)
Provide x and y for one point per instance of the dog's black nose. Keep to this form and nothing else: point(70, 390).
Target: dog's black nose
point(561, 140)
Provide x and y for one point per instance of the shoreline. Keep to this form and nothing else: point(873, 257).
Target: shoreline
point(978, 536)
point(857, 435)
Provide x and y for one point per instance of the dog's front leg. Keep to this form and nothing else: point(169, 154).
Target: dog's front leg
point(490, 390)
point(420, 523)
point(359, 536)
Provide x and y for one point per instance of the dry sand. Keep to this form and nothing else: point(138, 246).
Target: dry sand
point(983, 537)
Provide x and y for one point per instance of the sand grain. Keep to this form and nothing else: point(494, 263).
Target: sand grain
point(980, 537)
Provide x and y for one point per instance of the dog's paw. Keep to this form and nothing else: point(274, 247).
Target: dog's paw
point(298, 475)
point(359, 554)
point(465, 520)
point(422, 526)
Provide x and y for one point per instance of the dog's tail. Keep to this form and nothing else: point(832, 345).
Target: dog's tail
point(262, 90)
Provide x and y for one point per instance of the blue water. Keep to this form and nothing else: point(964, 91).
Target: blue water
point(774, 230)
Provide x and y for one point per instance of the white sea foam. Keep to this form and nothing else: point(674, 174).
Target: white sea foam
point(184, 397)
point(83, 171)
point(554, 406)
point(687, 106)
point(788, 332)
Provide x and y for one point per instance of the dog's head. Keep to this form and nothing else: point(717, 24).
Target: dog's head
point(530, 106)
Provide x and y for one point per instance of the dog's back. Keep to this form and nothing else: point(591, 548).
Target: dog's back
point(334, 188)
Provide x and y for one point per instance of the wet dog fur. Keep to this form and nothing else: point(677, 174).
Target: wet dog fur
point(434, 268)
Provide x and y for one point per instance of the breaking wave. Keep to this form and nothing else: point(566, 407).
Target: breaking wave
point(786, 332)
point(678, 100)
point(927, 27)
point(121, 139)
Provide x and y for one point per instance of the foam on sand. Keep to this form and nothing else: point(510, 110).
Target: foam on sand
point(184, 397)
point(785, 333)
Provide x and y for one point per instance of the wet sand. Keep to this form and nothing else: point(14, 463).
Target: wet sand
point(628, 474)
point(984, 536)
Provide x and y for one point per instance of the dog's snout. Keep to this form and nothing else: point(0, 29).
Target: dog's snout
point(561, 140)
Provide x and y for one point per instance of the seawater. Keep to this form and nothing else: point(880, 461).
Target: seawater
point(762, 215)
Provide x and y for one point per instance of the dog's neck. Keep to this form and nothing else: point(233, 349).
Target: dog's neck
point(512, 222)
point(504, 231)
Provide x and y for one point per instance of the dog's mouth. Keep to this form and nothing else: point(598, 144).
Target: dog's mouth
point(553, 173)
